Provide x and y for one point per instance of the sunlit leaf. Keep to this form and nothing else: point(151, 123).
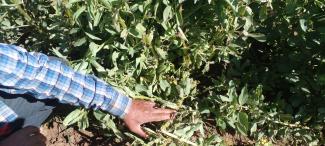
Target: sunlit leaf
point(243, 97)
point(243, 124)
point(93, 37)
point(167, 13)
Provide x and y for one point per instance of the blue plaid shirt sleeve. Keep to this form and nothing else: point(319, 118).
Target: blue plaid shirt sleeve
point(46, 78)
point(7, 115)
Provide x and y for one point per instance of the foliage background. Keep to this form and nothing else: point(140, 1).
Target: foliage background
point(251, 67)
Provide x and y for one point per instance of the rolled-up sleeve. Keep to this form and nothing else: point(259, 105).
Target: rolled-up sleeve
point(46, 78)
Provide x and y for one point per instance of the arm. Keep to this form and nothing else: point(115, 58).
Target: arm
point(49, 78)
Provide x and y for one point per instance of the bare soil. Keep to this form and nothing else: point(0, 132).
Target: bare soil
point(59, 135)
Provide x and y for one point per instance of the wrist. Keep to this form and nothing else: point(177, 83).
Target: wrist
point(127, 108)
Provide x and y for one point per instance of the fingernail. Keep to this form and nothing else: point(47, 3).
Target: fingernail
point(173, 115)
point(146, 136)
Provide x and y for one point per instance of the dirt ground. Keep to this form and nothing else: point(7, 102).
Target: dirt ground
point(59, 135)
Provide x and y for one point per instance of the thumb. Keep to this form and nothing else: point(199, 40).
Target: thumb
point(138, 130)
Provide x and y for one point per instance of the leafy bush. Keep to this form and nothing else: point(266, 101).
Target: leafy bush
point(255, 67)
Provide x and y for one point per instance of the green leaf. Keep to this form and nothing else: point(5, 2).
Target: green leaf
point(73, 1)
point(82, 67)
point(73, 117)
point(188, 131)
point(179, 18)
point(253, 128)
point(164, 85)
point(6, 23)
point(92, 36)
point(80, 42)
point(248, 23)
point(303, 24)
point(161, 52)
point(188, 86)
point(225, 98)
point(78, 12)
point(258, 36)
point(110, 124)
point(140, 28)
point(147, 39)
point(167, 103)
point(181, 34)
point(138, 31)
point(97, 66)
point(140, 88)
point(83, 123)
point(99, 115)
point(243, 97)
point(124, 33)
point(263, 13)
point(232, 5)
point(60, 55)
point(94, 48)
point(167, 13)
point(221, 123)
point(285, 117)
point(97, 18)
point(115, 55)
point(243, 123)
point(106, 3)
point(112, 32)
point(232, 94)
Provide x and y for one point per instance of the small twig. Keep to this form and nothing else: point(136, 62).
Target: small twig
point(289, 125)
point(176, 137)
point(24, 13)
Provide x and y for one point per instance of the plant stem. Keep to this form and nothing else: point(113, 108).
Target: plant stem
point(176, 137)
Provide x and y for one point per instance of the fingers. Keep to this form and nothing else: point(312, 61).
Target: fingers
point(137, 130)
point(162, 114)
point(149, 104)
point(162, 110)
point(156, 117)
point(144, 103)
point(142, 112)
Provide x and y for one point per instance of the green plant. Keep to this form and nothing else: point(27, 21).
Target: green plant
point(254, 67)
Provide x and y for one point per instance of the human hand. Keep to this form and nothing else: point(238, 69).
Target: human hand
point(28, 136)
point(142, 112)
